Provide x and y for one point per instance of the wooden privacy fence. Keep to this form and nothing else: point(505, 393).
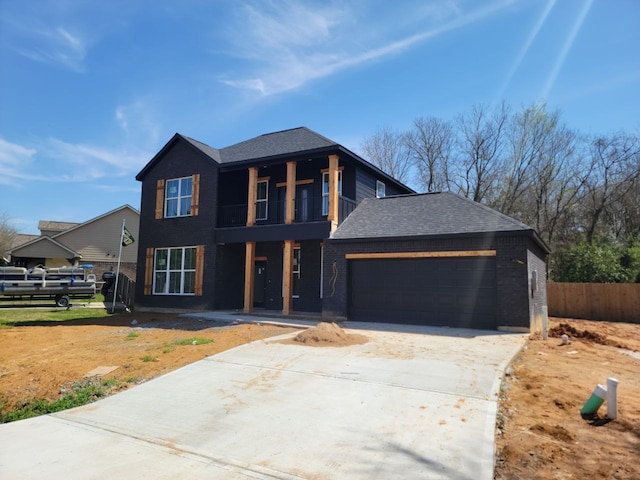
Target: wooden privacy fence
point(614, 302)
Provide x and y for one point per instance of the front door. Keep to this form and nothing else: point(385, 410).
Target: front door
point(260, 283)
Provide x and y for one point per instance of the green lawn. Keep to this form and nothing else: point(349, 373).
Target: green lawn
point(10, 316)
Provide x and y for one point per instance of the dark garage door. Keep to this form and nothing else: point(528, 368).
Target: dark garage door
point(453, 291)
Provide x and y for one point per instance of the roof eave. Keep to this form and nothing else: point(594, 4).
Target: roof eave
point(448, 236)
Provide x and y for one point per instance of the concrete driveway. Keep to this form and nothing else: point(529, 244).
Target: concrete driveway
point(413, 402)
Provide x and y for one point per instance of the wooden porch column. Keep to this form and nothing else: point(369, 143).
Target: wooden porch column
point(249, 271)
point(290, 212)
point(333, 192)
point(287, 275)
point(251, 197)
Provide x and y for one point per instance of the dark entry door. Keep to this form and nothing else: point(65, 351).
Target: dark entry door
point(455, 292)
point(260, 283)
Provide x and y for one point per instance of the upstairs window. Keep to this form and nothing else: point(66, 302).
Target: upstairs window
point(380, 189)
point(178, 197)
point(262, 200)
point(325, 190)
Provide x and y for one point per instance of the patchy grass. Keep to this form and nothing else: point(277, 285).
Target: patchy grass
point(22, 317)
point(82, 393)
point(193, 341)
point(132, 335)
point(149, 358)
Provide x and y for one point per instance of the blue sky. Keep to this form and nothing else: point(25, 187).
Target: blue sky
point(90, 91)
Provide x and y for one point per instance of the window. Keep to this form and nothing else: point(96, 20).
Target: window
point(325, 190)
point(178, 197)
point(295, 293)
point(262, 199)
point(380, 189)
point(175, 271)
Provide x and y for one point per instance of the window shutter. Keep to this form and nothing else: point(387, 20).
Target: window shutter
point(195, 194)
point(148, 272)
point(199, 269)
point(160, 199)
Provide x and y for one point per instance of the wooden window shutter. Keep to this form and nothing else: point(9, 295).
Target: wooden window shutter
point(148, 272)
point(160, 199)
point(195, 194)
point(199, 269)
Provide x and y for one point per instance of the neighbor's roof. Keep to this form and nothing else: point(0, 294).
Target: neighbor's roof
point(425, 215)
point(274, 144)
point(55, 226)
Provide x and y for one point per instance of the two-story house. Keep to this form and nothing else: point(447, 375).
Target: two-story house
point(244, 226)
point(292, 221)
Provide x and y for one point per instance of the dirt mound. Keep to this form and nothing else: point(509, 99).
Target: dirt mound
point(590, 336)
point(329, 334)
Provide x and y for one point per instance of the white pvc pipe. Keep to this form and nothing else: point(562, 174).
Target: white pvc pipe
point(612, 398)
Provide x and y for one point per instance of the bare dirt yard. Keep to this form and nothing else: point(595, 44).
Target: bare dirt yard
point(540, 434)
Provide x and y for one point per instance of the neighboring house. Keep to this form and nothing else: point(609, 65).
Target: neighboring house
point(95, 242)
point(259, 224)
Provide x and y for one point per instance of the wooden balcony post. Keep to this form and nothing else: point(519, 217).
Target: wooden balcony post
point(249, 272)
point(333, 192)
point(251, 197)
point(287, 272)
point(290, 208)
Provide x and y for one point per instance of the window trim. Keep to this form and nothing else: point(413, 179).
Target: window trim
point(179, 198)
point(384, 188)
point(168, 271)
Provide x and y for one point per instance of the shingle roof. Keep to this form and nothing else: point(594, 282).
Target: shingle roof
point(214, 153)
point(274, 144)
point(423, 215)
point(55, 225)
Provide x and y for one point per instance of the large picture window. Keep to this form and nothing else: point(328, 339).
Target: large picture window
point(175, 271)
point(178, 197)
point(325, 190)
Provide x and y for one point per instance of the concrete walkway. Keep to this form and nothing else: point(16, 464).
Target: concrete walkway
point(413, 402)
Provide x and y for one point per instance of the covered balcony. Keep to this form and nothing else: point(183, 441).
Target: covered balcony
point(307, 209)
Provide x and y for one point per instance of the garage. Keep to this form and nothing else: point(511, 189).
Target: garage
point(435, 259)
point(454, 291)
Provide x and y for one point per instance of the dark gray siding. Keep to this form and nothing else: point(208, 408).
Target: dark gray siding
point(309, 282)
point(181, 161)
point(229, 279)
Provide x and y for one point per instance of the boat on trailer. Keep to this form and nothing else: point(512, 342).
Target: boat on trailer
point(61, 284)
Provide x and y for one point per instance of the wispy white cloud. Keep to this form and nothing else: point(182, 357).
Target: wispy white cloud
point(562, 56)
point(55, 46)
point(15, 161)
point(139, 121)
point(59, 161)
point(93, 162)
point(293, 45)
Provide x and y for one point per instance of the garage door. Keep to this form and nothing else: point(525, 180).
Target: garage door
point(455, 291)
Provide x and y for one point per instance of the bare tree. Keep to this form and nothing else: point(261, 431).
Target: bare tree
point(386, 149)
point(478, 164)
point(430, 143)
point(527, 136)
point(7, 234)
point(560, 175)
point(615, 174)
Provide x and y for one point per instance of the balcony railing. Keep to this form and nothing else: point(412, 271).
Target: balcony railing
point(311, 209)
